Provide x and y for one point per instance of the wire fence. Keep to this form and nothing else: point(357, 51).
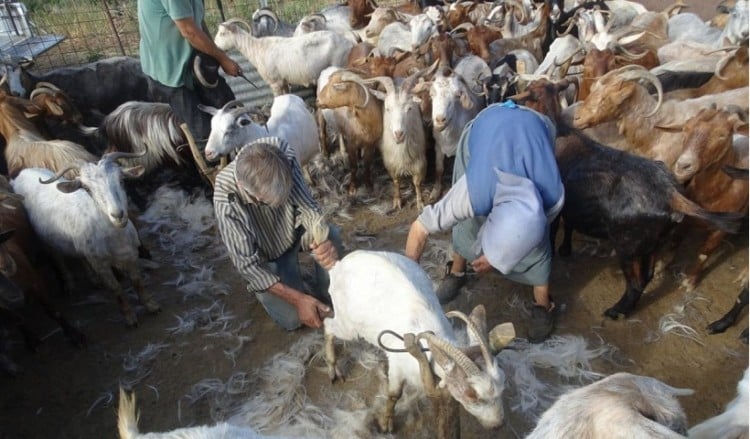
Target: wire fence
point(94, 29)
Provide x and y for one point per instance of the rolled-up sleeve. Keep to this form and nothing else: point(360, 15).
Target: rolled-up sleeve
point(454, 207)
point(232, 222)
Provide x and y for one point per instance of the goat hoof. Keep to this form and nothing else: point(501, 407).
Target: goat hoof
point(718, 327)
point(152, 306)
point(385, 425)
point(613, 313)
point(334, 373)
point(435, 195)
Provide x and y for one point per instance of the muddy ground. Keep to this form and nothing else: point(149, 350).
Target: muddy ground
point(213, 348)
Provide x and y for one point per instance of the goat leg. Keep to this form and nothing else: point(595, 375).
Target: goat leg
point(352, 154)
point(367, 157)
point(709, 247)
point(417, 180)
point(144, 296)
point(634, 271)
point(396, 193)
point(729, 318)
point(334, 373)
point(437, 190)
point(385, 422)
point(104, 272)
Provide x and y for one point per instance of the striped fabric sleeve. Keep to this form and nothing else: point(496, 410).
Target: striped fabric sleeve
point(301, 197)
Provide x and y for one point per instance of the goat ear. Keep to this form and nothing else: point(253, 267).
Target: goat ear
point(378, 94)
point(133, 172)
point(54, 108)
point(466, 101)
point(69, 186)
point(206, 109)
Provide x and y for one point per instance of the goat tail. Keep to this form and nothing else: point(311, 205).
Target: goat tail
point(127, 418)
point(729, 222)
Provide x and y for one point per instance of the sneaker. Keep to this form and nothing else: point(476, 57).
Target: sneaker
point(450, 286)
point(542, 323)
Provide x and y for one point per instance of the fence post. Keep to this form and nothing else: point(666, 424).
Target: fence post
point(112, 25)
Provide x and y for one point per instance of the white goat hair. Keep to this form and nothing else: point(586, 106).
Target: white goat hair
point(454, 104)
point(374, 291)
point(232, 128)
point(127, 425)
point(403, 144)
point(91, 223)
point(282, 61)
point(690, 27)
point(621, 406)
point(733, 422)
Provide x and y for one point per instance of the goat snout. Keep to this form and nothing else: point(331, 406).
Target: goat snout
point(399, 136)
point(683, 169)
point(119, 218)
point(440, 123)
point(210, 154)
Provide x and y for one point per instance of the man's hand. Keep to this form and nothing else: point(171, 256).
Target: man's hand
point(310, 310)
point(230, 66)
point(481, 265)
point(325, 254)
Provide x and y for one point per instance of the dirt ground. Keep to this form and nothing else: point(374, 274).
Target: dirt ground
point(213, 348)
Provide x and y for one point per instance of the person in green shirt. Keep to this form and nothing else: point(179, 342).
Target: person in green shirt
point(172, 33)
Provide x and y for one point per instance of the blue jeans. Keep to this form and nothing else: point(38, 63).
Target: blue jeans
point(286, 267)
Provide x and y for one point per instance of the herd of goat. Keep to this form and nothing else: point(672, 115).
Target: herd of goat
point(651, 110)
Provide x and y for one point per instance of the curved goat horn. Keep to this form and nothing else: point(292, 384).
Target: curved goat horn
point(723, 63)
point(452, 352)
point(243, 22)
point(350, 77)
point(635, 73)
point(265, 12)
point(232, 104)
point(58, 175)
point(49, 85)
point(199, 74)
point(489, 364)
point(114, 156)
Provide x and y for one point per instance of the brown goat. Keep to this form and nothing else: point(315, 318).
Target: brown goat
point(360, 10)
point(24, 263)
point(359, 118)
point(708, 151)
point(26, 146)
point(479, 39)
point(731, 73)
point(599, 62)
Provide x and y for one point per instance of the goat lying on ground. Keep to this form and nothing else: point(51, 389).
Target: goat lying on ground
point(620, 406)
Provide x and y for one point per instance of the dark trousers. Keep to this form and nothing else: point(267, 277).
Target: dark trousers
point(184, 103)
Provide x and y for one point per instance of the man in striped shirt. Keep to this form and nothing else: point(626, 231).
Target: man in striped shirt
point(264, 211)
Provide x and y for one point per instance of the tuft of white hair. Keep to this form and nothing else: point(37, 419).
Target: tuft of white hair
point(733, 422)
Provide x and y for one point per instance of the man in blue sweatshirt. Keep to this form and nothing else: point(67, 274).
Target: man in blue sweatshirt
point(506, 189)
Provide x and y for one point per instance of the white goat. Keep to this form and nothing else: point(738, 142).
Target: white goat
point(690, 27)
point(733, 423)
point(91, 223)
point(620, 406)
point(454, 104)
point(403, 144)
point(127, 425)
point(373, 292)
point(233, 126)
point(282, 61)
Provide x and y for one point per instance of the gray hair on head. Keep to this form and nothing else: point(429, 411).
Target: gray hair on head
point(264, 173)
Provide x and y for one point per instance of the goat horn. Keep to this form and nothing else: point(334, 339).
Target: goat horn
point(723, 63)
point(58, 175)
point(232, 104)
point(520, 97)
point(462, 360)
point(4, 79)
point(49, 85)
point(721, 49)
point(199, 74)
point(634, 73)
point(351, 77)
point(630, 55)
point(385, 81)
point(38, 91)
point(571, 23)
point(482, 338)
point(266, 12)
point(114, 156)
point(243, 22)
